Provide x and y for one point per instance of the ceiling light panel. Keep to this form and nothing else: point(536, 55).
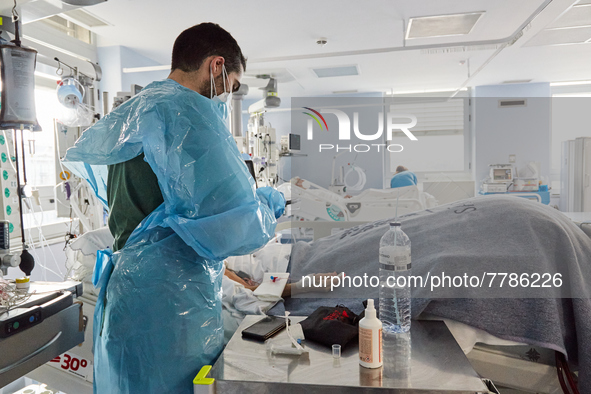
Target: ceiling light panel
point(576, 16)
point(345, 91)
point(442, 25)
point(342, 71)
point(517, 81)
point(560, 37)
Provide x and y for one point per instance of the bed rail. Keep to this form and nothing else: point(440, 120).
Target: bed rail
point(321, 228)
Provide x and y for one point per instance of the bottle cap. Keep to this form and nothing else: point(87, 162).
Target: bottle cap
point(22, 280)
point(394, 224)
point(370, 311)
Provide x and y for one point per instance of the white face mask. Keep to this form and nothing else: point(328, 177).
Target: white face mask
point(223, 97)
point(220, 100)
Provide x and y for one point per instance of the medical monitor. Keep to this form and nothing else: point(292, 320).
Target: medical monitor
point(250, 166)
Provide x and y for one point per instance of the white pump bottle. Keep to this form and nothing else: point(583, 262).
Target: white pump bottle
point(370, 338)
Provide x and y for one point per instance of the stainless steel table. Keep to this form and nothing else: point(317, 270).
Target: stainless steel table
point(426, 360)
point(33, 347)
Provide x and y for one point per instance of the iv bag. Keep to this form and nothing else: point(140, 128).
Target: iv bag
point(18, 86)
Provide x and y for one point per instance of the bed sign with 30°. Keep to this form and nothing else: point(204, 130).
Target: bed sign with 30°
point(74, 365)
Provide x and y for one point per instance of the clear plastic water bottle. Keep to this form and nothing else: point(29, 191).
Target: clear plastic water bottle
point(395, 268)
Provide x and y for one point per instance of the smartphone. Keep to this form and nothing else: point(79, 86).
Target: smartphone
point(265, 328)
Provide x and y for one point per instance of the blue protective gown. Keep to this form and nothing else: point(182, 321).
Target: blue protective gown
point(402, 179)
point(158, 318)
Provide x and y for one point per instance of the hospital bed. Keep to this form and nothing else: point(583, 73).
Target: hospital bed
point(519, 366)
point(311, 202)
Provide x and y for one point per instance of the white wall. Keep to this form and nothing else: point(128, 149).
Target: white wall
point(109, 58)
point(130, 58)
point(315, 166)
point(571, 118)
point(522, 131)
point(113, 60)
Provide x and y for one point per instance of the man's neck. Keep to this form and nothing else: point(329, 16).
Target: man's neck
point(189, 80)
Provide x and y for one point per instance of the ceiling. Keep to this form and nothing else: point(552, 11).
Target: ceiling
point(280, 38)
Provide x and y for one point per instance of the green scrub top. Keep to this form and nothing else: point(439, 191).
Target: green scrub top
point(133, 193)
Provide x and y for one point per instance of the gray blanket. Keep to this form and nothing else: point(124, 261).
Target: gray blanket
point(470, 238)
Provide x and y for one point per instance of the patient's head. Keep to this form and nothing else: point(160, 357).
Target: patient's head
point(401, 169)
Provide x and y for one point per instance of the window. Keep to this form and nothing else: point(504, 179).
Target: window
point(437, 153)
point(441, 145)
point(68, 27)
point(40, 163)
point(40, 146)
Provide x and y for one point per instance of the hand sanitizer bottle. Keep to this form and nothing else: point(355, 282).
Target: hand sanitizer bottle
point(370, 338)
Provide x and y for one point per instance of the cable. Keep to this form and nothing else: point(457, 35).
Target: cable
point(42, 238)
point(43, 243)
point(15, 19)
point(10, 297)
point(563, 371)
point(23, 155)
point(57, 143)
point(19, 191)
point(360, 182)
point(15, 14)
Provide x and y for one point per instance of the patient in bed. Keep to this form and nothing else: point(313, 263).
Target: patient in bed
point(482, 237)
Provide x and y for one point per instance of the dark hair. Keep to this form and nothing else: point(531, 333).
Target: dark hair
point(401, 169)
point(197, 43)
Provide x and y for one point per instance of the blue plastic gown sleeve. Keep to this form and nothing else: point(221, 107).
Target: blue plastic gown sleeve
point(209, 195)
point(275, 200)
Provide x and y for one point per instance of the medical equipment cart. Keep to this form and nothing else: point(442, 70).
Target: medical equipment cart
point(436, 364)
point(22, 349)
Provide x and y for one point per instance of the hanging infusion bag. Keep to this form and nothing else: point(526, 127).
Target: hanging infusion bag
point(18, 87)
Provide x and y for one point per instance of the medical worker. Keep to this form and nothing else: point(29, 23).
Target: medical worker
point(403, 177)
point(180, 200)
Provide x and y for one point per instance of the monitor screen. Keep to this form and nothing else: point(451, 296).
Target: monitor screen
point(502, 174)
point(294, 142)
point(135, 89)
point(250, 166)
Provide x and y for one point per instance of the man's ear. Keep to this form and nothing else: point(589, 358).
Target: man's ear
point(216, 65)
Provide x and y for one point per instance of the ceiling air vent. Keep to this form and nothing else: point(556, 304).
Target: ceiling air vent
point(516, 81)
point(341, 71)
point(442, 25)
point(512, 103)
